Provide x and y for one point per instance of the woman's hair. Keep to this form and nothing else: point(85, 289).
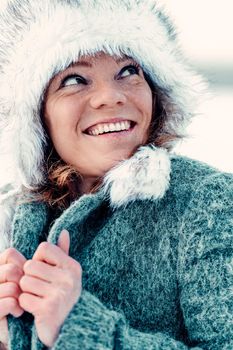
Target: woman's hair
point(61, 186)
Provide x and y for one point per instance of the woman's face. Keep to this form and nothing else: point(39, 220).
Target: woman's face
point(98, 112)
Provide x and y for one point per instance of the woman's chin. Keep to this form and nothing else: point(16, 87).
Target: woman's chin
point(105, 164)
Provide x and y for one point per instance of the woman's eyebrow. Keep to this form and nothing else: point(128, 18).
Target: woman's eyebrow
point(123, 59)
point(88, 64)
point(80, 63)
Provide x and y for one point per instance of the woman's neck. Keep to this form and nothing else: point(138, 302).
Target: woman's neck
point(89, 185)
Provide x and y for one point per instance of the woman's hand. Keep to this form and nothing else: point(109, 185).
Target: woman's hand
point(11, 271)
point(51, 286)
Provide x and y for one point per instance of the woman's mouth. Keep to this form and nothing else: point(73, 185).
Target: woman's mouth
point(110, 128)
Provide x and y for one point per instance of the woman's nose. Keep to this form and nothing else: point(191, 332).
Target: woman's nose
point(107, 95)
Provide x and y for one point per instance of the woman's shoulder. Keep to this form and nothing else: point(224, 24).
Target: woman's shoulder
point(206, 229)
point(196, 174)
point(198, 187)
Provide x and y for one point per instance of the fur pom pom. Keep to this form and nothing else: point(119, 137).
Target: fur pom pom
point(145, 175)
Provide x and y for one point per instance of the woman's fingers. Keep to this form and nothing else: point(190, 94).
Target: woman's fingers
point(9, 293)
point(11, 266)
point(9, 289)
point(51, 254)
point(11, 255)
point(64, 241)
point(41, 270)
point(48, 273)
point(35, 286)
point(10, 273)
point(11, 306)
point(30, 303)
point(51, 285)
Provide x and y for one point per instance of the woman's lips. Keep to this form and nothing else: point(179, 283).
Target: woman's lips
point(115, 135)
point(110, 128)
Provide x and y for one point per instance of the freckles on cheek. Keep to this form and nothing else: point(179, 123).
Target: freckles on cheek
point(142, 91)
point(145, 103)
point(63, 125)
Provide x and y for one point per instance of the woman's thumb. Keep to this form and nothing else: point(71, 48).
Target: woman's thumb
point(64, 241)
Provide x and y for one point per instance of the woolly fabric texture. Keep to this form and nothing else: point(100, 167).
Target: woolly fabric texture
point(157, 273)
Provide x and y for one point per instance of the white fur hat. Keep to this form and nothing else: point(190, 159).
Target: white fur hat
point(40, 38)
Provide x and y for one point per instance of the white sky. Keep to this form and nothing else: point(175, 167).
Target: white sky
point(205, 28)
point(210, 134)
point(206, 34)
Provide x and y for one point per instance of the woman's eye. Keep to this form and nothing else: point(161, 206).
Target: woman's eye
point(129, 70)
point(73, 80)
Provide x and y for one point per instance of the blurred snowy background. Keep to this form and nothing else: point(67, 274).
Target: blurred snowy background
point(205, 30)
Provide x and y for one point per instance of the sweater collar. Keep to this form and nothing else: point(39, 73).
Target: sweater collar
point(146, 175)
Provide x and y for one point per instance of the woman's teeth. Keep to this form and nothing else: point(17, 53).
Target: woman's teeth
point(109, 127)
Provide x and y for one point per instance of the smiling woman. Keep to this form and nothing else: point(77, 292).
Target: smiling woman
point(97, 113)
point(108, 240)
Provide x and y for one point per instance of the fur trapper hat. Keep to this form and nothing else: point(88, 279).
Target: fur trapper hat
point(38, 39)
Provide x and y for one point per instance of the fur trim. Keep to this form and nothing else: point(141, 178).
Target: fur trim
point(7, 210)
point(146, 175)
point(39, 39)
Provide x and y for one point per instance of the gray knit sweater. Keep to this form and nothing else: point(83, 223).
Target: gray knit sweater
point(157, 274)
